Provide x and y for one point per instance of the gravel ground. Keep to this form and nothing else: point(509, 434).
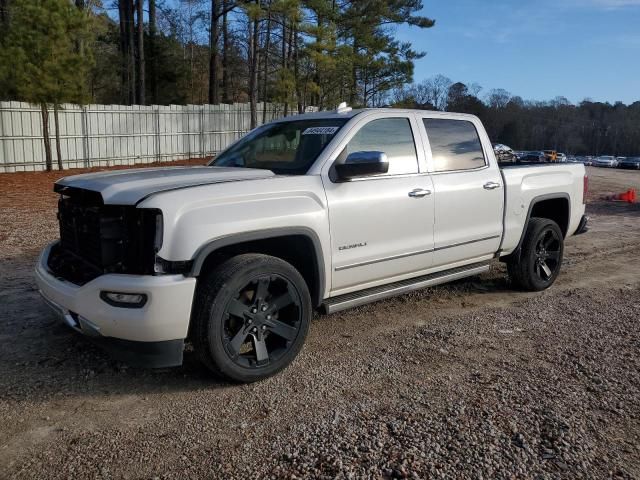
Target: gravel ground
point(469, 380)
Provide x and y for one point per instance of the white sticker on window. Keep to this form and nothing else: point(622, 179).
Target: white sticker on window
point(320, 130)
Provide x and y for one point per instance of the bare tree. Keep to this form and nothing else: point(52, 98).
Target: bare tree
point(140, 44)
point(153, 67)
point(498, 98)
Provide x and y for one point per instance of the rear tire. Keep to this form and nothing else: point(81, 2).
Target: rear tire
point(251, 317)
point(540, 258)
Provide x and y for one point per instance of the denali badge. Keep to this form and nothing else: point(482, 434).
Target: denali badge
point(353, 245)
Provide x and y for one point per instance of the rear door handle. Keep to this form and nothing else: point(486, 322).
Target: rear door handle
point(419, 193)
point(491, 185)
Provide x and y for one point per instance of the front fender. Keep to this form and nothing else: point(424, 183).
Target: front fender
point(201, 219)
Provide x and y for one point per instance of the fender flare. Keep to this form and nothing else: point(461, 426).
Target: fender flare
point(535, 200)
point(211, 246)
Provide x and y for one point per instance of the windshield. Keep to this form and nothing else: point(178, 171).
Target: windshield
point(285, 148)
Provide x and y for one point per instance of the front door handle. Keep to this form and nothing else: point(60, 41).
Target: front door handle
point(419, 193)
point(491, 185)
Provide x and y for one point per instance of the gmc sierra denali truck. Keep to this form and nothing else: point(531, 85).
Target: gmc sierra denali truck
point(319, 211)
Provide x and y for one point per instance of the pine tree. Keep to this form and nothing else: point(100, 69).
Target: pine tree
point(40, 59)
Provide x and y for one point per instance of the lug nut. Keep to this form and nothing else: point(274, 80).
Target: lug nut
point(264, 327)
point(264, 308)
point(249, 321)
point(254, 329)
point(254, 310)
point(268, 317)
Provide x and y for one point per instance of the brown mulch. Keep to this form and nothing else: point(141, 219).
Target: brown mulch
point(29, 189)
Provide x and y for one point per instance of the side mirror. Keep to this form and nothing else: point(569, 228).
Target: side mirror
point(362, 164)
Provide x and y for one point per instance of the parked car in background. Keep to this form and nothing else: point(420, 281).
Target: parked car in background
point(607, 161)
point(588, 160)
point(630, 162)
point(551, 155)
point(533, 157)
point(504, 153)
point(582, 159)
point(561, 157)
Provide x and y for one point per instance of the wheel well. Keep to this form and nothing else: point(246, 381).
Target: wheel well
point(556, 209)
point(298, 250)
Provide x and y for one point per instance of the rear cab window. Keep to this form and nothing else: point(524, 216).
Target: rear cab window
point(455, 145)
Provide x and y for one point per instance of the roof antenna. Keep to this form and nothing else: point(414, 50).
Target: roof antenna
point(342, 108)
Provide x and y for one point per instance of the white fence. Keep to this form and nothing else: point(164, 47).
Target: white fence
point(107, 135)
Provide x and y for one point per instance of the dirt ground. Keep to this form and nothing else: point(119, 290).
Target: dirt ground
point(468, 380)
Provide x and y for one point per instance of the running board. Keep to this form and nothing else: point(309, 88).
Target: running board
point(362, 297)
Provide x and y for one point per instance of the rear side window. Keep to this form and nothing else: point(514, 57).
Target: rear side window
point(392, 136)
point(455, 144)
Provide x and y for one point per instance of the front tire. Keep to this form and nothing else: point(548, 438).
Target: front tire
point(251, 317)
point(540, 258)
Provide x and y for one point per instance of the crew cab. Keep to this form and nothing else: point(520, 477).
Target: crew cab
point(321, 211)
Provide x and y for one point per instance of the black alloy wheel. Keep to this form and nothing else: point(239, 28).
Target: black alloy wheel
point(547, 259)
point(262, 321)
point(538, 263)
point(251, 317)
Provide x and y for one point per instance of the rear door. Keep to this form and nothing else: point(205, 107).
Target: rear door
point(468, 189)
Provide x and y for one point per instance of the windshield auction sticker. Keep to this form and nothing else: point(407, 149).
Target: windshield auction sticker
point(320, 130)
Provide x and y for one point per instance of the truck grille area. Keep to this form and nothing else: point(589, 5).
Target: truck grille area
point(96, 239)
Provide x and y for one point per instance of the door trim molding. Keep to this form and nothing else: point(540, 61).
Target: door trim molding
point(460, 244)
point(411, 254)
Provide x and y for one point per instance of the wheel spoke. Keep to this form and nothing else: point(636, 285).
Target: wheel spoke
point(237, 341)
point(549, 241)
point(262, 289)
point(260, 348)
point(237, 308)
point(546, 269)
point(554, 255)
point(283, 330)
point(280, 302)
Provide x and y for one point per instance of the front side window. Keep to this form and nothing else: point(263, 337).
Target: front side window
point(394, 137)
point(288, 148)
point(455, 144)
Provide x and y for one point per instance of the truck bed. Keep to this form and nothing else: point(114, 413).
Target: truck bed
point(529, 182)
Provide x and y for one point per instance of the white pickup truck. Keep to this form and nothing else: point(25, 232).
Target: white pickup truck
point(320, 211)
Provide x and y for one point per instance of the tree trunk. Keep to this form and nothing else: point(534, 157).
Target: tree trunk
point(4, 16)
point(45, 136)
point(353, 94)
point(265, 74)
point(213, 55)
point(296, 70)
point(141, 74)
point(152, 52)
point(253, 73)
point(226, 94)
point(131, 50)
point(124, 52)
point(80, 5)
point(57, 127)
point(284, 56)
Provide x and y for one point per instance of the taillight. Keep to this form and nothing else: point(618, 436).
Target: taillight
point(585, 189)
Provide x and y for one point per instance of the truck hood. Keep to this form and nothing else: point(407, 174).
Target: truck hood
point(128, 187)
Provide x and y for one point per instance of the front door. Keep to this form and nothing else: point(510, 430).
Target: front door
point(381, 226)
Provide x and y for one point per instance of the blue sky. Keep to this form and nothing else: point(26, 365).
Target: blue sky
point(535, 49)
